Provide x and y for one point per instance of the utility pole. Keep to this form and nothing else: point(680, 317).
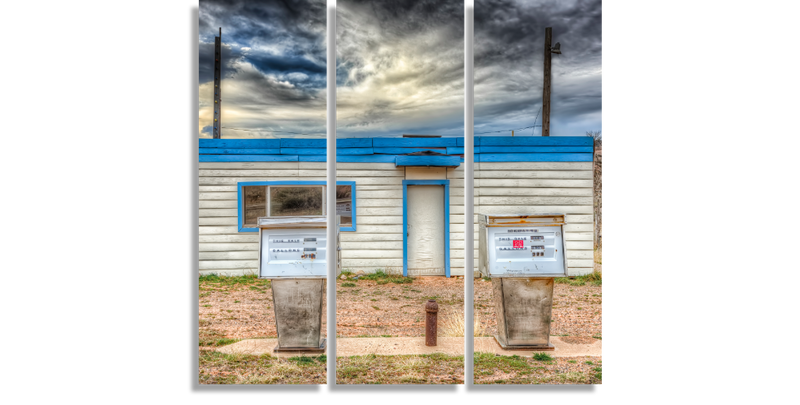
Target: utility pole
point(217, 90)
point(548, 38)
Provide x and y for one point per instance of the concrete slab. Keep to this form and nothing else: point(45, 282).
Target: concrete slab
point(562, 349)
point(262, 346)
point(397, 345)
point(414, 345)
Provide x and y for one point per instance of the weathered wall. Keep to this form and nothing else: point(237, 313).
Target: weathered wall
point(222, 248)
point(378, 243)
point(542, 187)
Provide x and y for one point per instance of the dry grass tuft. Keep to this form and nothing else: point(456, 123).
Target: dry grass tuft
point(452, 325)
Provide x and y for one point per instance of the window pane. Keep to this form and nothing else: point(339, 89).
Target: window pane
point(344, 205)
point(255, 204)
point(289, 201)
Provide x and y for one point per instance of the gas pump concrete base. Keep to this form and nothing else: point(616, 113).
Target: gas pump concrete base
point(505, 346)
point(298, 314)
point(320, 349)
point(524, 308)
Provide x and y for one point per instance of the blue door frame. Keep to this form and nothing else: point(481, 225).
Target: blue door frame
point(446, 184)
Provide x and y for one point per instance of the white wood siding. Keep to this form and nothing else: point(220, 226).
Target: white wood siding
point(378, 242)
point(542, 187)
point(500, 188)
point(223, 250)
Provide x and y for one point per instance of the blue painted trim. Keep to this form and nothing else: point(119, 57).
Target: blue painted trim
point(352, 185)
point(313, 158)
point(535, 149)
point(354, 143)
point(303, 151)
point(536, 141)
point(353, 151)
point(403, 151)
point(446, 184)
point(240, 190)
point(248, 158)
point(366, 159)
point(303, 143)
point(241, 143)
point(536, 157)
point(412, 142)
point(449, 161)
point(220, 151)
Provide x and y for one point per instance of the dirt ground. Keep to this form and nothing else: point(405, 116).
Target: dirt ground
point(243, 309)
point(577, 311)
point(238, 308)
point(493, 369)
point(369, 309)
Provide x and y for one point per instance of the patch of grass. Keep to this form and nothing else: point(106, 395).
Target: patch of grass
point(301, 359)
point(381, 277)
point(598, 337)
point(376, 308)
point(386, 335)
point(492, 362)
point(220, 368)
point(402, 369)
point(215, 282)
point(226, 341)
point(599, 373)
point(254, 288)
point(348, 284)
point(589, 363)
point(571, 361)
point(541, 356)
point(594, 278)
point(487, 279)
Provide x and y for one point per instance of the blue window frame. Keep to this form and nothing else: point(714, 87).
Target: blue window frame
point(240, 195)
point(352, 184)
point(240, 199)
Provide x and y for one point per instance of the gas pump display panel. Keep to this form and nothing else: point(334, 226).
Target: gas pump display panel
point(293, 253)
point(526, 251)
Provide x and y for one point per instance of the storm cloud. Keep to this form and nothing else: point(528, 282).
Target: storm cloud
point(273, 67)
point(400, 67)
point(509, 52)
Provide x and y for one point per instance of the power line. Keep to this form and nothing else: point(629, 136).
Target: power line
point(507, 130)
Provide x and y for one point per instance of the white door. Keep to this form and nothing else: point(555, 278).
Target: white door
point(425, 231)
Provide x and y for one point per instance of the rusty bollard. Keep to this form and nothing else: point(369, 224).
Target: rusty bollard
point(431, 318)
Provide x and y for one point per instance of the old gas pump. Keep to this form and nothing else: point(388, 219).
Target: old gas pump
point(293, 255)
point(522, 254)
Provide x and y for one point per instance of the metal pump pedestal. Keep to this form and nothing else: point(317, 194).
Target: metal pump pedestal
point(522, 254)
point(293, 256)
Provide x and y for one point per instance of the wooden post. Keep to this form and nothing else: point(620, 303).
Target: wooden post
point(217, 131)
point(548, 38)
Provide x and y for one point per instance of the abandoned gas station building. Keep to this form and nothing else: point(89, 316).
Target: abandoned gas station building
point(401, 200)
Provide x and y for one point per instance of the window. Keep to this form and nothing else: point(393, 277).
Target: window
point(293, 198)
point(346, 205)
point(279, 199)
